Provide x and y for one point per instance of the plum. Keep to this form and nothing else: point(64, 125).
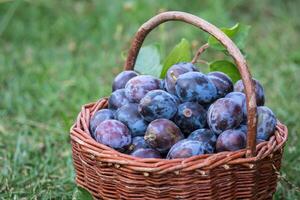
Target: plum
point(259, 91)
point(177, 100)
point(114, 134)
point(157, 104)
point(207, 137)
point(173, 73)
point(130, 116)
point(222, 82)
point(163, 84)
point(186, 148)
point(117, 99)
point(224, 114)
point(231, 140)
point(266, 123)
point(195, 86)
point(190, 116)
point(138, 142)
point(122, 78)
point(162, 134)
point(99, 117)
point(243, 128)
point(137, 87)
point(146, 153)
point(241, 99)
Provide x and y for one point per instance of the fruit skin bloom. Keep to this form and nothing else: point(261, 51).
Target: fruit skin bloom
point(113, 134)
point(207, 137)
point(138, 142)
point(146, 153)
point(240, 98)
point(173, 73)
point(222, 82)
point(100, 116)
point(117, 99)
point(162, 134)
point(122, 78)
point(137, 87)
point(157, 104)
point(185, 149)
point(195, 86)
point(224, 114)
point(129, 115)
point(231, 140)
point(190, 116)
point(259, 91)
point(266, 123)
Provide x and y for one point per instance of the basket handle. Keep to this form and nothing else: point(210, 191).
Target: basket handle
point(232, 49)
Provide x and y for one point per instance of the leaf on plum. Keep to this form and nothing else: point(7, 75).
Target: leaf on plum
point(148, 61)
point(226, 67)
point(180, 53)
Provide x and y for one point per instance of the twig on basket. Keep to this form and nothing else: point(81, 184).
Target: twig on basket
point(284, 179)
point(203, 62)
point(199, 52)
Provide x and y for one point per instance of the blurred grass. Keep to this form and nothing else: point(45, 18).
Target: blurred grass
point(57, 55)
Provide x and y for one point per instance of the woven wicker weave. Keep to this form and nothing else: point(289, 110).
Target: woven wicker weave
point(245, 174)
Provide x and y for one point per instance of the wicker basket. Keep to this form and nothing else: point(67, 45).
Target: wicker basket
point(250, 173)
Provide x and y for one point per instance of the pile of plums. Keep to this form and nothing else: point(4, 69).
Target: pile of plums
point(186, 114)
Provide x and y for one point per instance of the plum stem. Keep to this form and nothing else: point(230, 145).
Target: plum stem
point(150, 137)
point(131, 147)
point(187, 112)
point(199, 52)
point(173, 75)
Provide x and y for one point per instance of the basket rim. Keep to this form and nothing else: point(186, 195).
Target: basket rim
point(80, 135)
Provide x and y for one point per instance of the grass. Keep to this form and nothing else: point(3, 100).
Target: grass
point(57, 55)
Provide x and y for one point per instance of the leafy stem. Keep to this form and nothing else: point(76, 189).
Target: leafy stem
point(199, 52)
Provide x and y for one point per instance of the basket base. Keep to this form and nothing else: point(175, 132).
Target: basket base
point(108, 174)
point(237, 182)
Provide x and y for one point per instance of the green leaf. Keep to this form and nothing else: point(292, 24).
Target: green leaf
point(238, 33)
point(226, 67)
point(81, 194)
point(148, 61)
point(180, 53)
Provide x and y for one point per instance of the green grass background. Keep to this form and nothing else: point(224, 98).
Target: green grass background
point(57, 55)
